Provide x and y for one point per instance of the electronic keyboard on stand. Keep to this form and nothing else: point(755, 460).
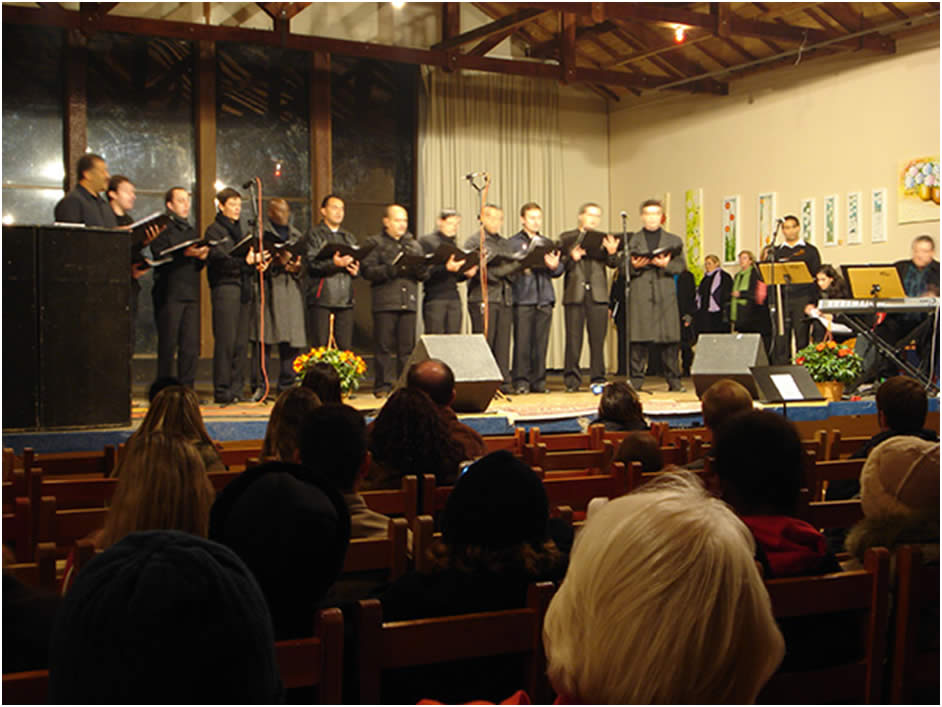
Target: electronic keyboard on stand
point(868, 306)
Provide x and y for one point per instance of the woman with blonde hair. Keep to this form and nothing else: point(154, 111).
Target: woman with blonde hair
point(748, 306)
point(281, 436)
point(662, 604)
point(175, 412)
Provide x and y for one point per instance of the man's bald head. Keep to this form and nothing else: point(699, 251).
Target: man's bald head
point(279, 213)
point(435, 379)
point(724, 399)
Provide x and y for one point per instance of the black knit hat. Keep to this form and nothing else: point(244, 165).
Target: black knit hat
point(498, 502)
point(291, 527)
point(164, 617)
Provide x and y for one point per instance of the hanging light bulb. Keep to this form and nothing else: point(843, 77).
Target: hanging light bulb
point(680, 32)
point(398, 4)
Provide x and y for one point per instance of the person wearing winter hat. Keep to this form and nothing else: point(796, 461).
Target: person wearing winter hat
point(291, 527)
point(899, 494)
point(758, 467)
point(495, 542)
point(164, 617)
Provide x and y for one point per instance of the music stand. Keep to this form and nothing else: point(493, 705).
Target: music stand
point(873, 281)
point(775, 275)
point(789, 273)
point(785, 384)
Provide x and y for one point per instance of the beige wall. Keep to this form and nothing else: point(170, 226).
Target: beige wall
point(812, 131)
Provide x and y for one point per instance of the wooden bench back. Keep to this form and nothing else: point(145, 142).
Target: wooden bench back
point(584, 461)
point(41, 572)
point(513, 443)
point(841, 446)
point(914, 676)
point(97, 463)
point(382, 553)
point(403, 501)
point(401, 644)
point(823, 471)
point(858, 681)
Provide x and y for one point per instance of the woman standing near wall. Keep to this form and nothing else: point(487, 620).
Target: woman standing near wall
point(713, 295)
point(748, 307)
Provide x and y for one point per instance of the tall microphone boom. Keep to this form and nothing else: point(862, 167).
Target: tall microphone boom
point(472, 175)
point(248, 184)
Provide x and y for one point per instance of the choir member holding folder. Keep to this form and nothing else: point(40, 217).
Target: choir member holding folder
point(441, 306)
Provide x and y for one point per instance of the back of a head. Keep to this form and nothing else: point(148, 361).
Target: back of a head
point(162, 485)
point(904, 404)
point(620, 404)
point(640, 447)
point(901, 478)
point(409, 436)
point(291, 527)
point(159, 384)
point(324, 380)
point(333, 442)
point(433, 377)
point(281, 434)
point(724, 399)
point(662, 604)
point(175, 411)
point(759, 463)
point(498, 502)
point(164, 617)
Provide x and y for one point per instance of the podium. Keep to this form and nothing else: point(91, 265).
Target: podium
point(66, 327)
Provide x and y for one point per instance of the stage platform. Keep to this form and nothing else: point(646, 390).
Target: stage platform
point(553, 412)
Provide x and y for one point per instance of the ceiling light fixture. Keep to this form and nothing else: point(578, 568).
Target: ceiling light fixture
point(398, 4)
point(680, 32)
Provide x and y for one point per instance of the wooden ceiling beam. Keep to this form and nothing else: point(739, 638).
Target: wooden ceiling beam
point(451, 20)
point(895, 10)
point(738, 48)
point(282, 10)
point(17, 14)
point(567, 44)
point(511, 22)
point(738, 26)
point(846, 16)
point(549, 47)
point(486, 45)
point(639, 52)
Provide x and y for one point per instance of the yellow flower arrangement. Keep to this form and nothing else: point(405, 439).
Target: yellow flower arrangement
point(350, 367)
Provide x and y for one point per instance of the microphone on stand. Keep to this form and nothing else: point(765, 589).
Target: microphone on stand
point(472, 175)
point(250, 183)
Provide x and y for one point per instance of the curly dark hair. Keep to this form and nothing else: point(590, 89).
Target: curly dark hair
point(410, 436)
point(620, 404)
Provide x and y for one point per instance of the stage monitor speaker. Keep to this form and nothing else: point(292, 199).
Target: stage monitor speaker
point(20, 335)
point(727, 356)
point(477, 375)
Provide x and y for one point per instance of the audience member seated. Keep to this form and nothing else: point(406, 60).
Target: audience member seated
point(722, 400)
point(29, 614)
point(175, 411)
point(620, 409)
point(902, 406)
point(162, 485)
point(324, 380)
point(291, 527)
point(640, 447)
point(436, 379)
point(662, 604)
point(333, 443)
point(758, 467)
point(281, 435)
point(899, 494)
point(495, 542)
point(164, 617)
point(409, 436)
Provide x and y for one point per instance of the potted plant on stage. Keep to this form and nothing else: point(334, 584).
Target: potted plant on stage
point(831, 366)
point(348, 365)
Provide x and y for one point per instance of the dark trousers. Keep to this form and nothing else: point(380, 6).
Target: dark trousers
point(499, 326)
point(319, 326)
point(794, 321)
point(281, 375)
point(133, 307)
point(622, 354)
point(531, 338)
point(394, 333)
point(178, 330)
point(442, 316)
point(594, 317)
point(231, 334)
point(670, 360)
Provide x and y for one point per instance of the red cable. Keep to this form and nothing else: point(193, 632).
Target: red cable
point(261, 289)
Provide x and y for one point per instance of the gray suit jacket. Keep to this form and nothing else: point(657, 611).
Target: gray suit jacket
point(587, 270)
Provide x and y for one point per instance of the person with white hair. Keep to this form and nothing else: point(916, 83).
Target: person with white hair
point(663, 603)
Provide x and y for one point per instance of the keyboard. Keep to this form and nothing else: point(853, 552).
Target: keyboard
point(865, 306)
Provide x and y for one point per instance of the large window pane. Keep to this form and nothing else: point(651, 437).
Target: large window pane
point(262, 122)
point(30, 205)
point(140, 108)
point(32, 107)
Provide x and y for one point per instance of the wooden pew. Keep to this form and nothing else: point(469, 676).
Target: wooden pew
point(41, 572)
point(583, 461)
point(18, 530)
point(73, 463)
point(513, 443)
point(561, 442)
point(64, 527)
point(858, 681)
point(841, 447)
point(383, 553)
point(914, 676)
point(401, 644)
point(576, 492)
point(816, 475)
point(403, 501)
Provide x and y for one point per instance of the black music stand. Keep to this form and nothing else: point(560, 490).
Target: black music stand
point(785, 384)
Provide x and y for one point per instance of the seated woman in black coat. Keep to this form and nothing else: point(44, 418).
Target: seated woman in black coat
point(830, 286)
point(495, 542)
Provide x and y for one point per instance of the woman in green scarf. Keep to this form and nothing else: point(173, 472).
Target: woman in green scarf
point(749, 309)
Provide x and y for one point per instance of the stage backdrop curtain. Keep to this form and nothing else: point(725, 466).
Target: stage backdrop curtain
point(507, 126)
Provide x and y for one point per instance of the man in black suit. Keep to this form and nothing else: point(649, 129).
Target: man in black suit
point(176, 292)
point(797, 296)
point(585, 297)
point(84, 203)
point(441, 306)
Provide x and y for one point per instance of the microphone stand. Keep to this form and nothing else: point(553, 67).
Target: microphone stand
point(775, 311)
point(255, 191)
point(626, 334)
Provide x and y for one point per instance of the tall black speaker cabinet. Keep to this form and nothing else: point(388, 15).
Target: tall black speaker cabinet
point(66, 327)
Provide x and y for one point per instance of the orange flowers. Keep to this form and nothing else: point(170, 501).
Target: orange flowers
point(819, 347)
point(350, 367)
point(844, 352)
point(832, 344)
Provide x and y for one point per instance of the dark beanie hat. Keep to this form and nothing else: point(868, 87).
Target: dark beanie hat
point(498, 502)
point(291, 527)
point(164, 617)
